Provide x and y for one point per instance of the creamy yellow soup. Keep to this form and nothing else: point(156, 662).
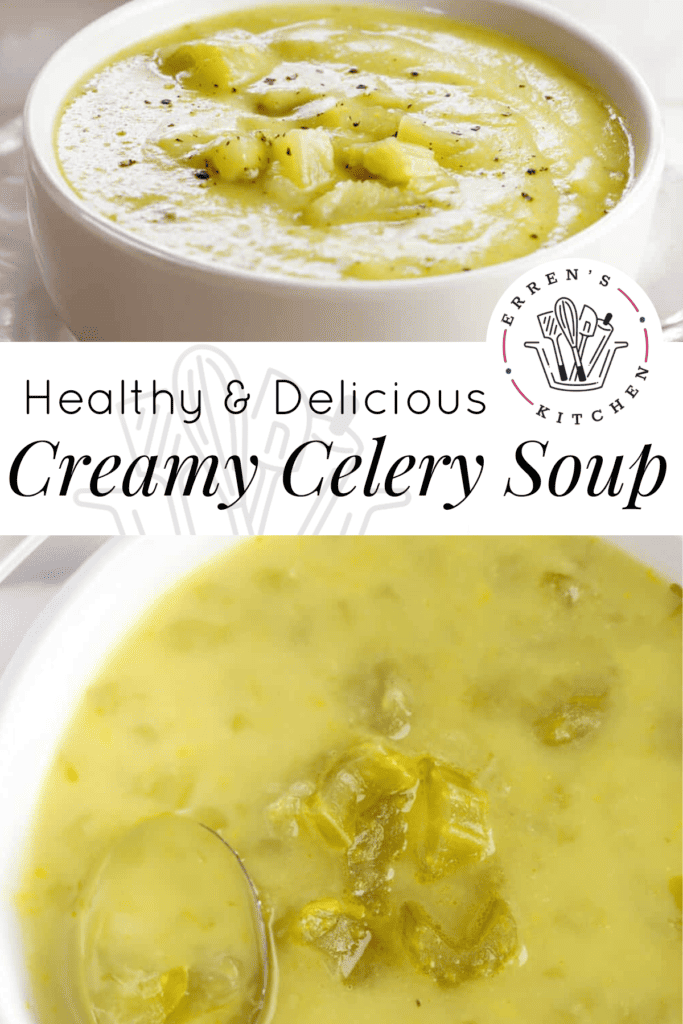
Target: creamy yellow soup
point(452, 767)
point(343, 142)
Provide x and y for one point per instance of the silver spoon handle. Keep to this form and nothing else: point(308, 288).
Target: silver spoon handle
point(18, 555)
point(672, 327)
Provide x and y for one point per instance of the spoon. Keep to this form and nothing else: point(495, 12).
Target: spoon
point(18, 555)
point(672, 327)
point(169, 927)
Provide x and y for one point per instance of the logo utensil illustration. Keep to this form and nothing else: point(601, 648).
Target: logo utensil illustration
point(593, 330)
point(585, 339)
point(568, 320)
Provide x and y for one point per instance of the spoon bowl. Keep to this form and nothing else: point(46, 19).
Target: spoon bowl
point(169, 927)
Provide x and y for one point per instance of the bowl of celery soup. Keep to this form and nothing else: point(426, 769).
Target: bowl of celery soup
point(451, 767)
point(315, 172)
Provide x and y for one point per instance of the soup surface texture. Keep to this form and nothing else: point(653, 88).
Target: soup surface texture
point(451, 765)
point(343, 142)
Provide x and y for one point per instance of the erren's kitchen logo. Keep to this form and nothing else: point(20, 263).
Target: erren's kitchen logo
point(581, 329)
point(577, 348)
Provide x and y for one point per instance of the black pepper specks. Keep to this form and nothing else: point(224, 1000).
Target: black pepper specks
point(202, 175)
point(531, 170)
point(127, 163)
point(166, 103)
point(361, 86)
point(269, 81)
point(525, 195)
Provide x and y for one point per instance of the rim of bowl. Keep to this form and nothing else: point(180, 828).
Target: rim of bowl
point(71, 204)
point(663, 553)
point(18, 699)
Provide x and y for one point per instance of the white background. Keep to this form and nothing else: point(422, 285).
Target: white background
point(652, 418)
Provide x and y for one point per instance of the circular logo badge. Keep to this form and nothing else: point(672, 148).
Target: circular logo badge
point(575, 339)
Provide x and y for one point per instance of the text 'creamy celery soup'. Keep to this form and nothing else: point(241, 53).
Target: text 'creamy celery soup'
point(343, 142)
point(452, 767)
